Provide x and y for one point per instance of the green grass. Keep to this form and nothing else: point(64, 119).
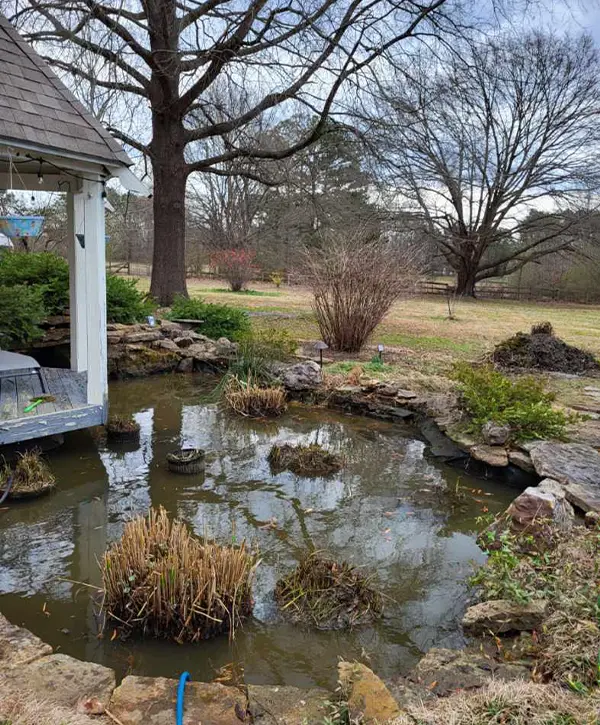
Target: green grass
point(429, 343)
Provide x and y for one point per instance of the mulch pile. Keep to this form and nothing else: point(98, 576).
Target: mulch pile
point(542, 350)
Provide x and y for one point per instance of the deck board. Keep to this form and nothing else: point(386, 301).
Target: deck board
point(69, 411)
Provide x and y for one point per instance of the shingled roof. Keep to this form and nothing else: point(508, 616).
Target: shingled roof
point(37, 110)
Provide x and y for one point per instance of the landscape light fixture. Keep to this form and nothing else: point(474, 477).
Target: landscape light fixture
point(320, 346)
point(380, 351)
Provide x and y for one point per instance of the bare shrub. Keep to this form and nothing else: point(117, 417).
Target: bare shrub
point(355, 280)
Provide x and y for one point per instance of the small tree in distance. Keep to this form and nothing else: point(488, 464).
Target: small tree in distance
point(355, 280)
point(236, 266)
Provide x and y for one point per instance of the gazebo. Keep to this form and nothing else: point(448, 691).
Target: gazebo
point(50, 142)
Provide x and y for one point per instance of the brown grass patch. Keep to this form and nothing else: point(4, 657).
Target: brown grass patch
point(310, 460)
point(512, 703)
point(254, 401)
point(328, 594)
point(19, 707)
point(31, 475)
point(162, 581)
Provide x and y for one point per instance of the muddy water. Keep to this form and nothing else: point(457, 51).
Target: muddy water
point(389, 511)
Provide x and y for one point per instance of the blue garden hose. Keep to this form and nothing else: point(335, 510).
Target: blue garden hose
point(185, 676)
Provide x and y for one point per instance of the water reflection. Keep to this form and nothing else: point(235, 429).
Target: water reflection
point(387, 511)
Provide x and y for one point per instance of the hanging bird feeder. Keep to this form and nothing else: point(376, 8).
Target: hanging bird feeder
point(21, 227)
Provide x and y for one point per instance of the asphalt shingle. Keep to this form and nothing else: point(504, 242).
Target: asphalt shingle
point(37, 108)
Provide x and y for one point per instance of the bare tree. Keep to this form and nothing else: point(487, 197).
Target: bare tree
point(478, 136)
point(169, 56)
point(355, 279)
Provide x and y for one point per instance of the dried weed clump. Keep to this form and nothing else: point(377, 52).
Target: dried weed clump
point(30, 475)
point(162, 581)
point(309, 460)
point(253, 401)
point(328, 594)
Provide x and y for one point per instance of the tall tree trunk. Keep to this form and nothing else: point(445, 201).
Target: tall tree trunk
point(465, 281)
point(170, 177)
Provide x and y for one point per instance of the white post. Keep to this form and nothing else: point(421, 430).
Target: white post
point(77, 283)
point(95, 273)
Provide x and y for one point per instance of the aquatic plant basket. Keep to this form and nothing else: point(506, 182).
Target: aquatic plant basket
point(186, 460)
point(21, 227)
point(118, 431)
point(45, 488)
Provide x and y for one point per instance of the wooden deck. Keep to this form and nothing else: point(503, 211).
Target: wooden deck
point(69, 411)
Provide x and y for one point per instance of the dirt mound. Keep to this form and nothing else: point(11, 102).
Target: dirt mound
point(542, 350)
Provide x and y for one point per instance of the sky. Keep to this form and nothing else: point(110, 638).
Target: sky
point(571, 15)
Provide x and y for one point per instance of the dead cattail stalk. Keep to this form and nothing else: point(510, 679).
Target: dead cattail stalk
point(162, 581)
point(254, 401)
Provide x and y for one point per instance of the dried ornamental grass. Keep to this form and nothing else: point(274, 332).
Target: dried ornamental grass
point(162, 581)
point(253, 401)
point(31, 476)
point(310, 460)
point(122, 428)
point(328, 594)
point(512, 703)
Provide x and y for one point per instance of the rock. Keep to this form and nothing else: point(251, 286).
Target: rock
point(203, 352)
point(304, 375)
point(165, 345)
point(456, 434)
point(113, 338)
point(522, 460)
point(440, 445)
point(592, 519)
point(137, 361)
point(492, 455)
point(409, 695)
point(225, 347)
point(442, 671)
point(546, 501)
point(495, 434)
point(586, 432)
point(500, 615)
point(64, 681)
point(120, 327)
point(402, 394)
point(184, 341)
point(186, 365)
point(19, 646)
point(567, 463)
point(287, 705)
point(346, 391)
point(584, 498)
point(170, 329)
point(150, 336)
point(366, 695)
point(151, 701)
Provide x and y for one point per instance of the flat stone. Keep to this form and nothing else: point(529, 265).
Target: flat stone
point(443, 671)
point(462, 439)
point(586, 432)
point(522, 460)
point(65, 681)
point(402, 394)
point(202, 351)
point(287, 705)
point(584, 498)
point(440, 445)
point(500, 615)
point(492, 455)
point(184, 341)
point(143, 336)
point(367, 696)
point(567, 463)
point(152, 700)
point(120, 327)
point(165, 344)
point(169, 328)
point(347, 390)
point(186, 365)
point(19, 646)
point(114, 338)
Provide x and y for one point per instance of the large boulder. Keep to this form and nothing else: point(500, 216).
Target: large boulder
point(501, 615)
point(443, 671)
point(151, 701)
point(302, 376)
point(492, 455)
point(19, 646)
point(369, 700)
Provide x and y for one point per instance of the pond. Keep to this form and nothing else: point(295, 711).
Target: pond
point(400, 514)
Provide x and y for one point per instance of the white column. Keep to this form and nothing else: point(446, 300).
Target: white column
point(77, 284)
point(95, 275)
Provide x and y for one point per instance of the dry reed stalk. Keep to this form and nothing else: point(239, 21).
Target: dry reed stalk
point(310, 460)
point(161, 580)
point(31, 474)
point(253, 401)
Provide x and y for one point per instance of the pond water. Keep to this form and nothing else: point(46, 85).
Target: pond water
point(392, 510)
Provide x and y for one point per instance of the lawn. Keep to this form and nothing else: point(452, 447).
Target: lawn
point(417, 333)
